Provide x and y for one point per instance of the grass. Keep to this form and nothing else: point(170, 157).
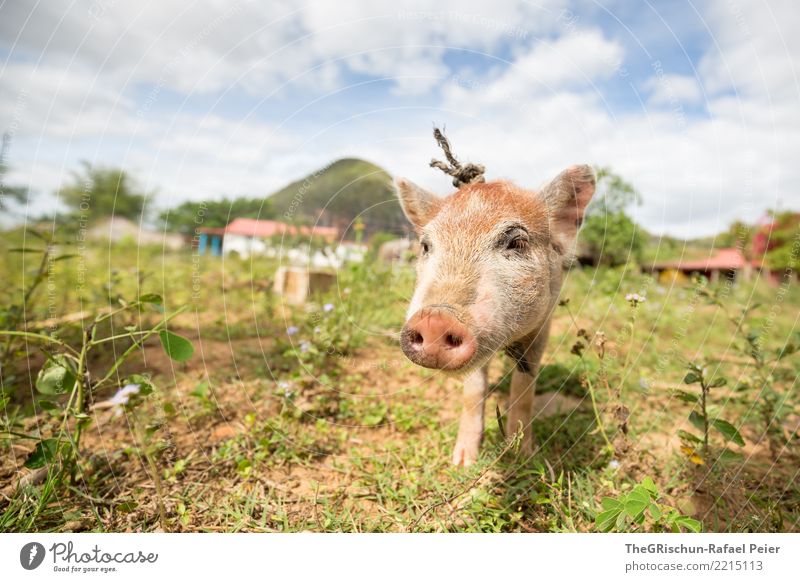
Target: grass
point(330, 428)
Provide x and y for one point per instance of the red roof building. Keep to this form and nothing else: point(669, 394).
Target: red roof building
point(728, 262)
point(268, 228)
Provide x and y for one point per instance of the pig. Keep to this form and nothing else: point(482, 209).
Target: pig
point(489, 273)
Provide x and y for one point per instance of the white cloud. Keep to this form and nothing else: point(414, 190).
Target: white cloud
point(54, 101)
point(210, 45)
point(673, 90)
point(756, 50)
point(104, 82)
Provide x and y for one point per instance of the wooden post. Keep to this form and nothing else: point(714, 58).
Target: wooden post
point(297, 284)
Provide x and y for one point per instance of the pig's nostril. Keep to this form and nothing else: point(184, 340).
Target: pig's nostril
point(434, 339)
point(453, 341)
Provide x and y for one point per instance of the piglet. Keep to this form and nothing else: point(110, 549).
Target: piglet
point(488, 278)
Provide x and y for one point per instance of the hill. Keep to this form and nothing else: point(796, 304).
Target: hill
point(339, 193)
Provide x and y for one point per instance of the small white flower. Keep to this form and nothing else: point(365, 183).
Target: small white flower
point(635, 299)
point(304, 346)
point(613, 464)
point(292, 329)
point(327, 307)
point(124, 394)
point(287, 389)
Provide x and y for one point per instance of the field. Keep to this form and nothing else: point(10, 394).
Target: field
point(676, 412)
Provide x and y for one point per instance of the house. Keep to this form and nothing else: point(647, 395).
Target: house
point(289, 243)
point(210, 239)
point(248, 236)
point(729, 263)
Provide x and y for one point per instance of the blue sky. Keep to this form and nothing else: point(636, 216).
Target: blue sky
point(696, 104)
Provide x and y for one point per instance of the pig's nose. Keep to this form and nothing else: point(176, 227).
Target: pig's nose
point(435, 339)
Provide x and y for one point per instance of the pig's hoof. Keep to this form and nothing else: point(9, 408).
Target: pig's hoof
point(464, 455)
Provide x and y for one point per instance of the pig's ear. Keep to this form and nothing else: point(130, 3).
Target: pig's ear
point(419, 205)
point(567, 197)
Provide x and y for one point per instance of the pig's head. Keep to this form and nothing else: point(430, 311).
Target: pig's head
point(490, 265)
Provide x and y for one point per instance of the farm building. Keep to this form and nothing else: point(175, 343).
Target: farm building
point(249, 236)
point(728, 263)
point(210, 240)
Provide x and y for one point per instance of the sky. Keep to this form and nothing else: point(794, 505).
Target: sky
point(696, 104)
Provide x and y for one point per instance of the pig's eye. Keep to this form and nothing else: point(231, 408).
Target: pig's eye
point(518, 244)
point(515, 239)
point(426, 247)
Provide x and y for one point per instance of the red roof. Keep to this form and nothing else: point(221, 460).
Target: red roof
point(269, 228)
point(723, 259)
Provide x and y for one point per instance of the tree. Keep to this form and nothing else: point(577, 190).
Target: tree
point(188, 216)
point(739, 235)
point(780, 241)
point(18, 194)
point(609, 235)
point(99, 192)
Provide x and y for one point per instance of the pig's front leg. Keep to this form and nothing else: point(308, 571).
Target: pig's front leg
point(520, 409)
point(527, 355)
point(470, 429)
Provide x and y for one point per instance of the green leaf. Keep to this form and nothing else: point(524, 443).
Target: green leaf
point(655, 512)
point(727, 456)
point(151, 298)
point(697, 420)
point(691, 378)
point(607, 519)
point(47, 405)
point(685, 396)
point(728, 431)
point(650, 485)
point(177, 347)
point(44, 453)
point(24, 250)
point(718, 382)
point(201, 390)
point(56, 377)
point(611, 503)
point(621, 518)
point(65, 257)
point(689, 436)
point(637, 501)
point(689, 523)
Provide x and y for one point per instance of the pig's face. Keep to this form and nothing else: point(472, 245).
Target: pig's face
point(489, 270)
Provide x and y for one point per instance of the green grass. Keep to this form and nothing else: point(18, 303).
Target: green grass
point(331, 429)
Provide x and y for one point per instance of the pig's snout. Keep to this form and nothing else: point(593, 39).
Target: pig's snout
point(435, 339)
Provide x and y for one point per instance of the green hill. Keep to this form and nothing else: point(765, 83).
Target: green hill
point(336, 194)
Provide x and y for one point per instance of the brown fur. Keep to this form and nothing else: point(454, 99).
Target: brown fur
point(494, 260)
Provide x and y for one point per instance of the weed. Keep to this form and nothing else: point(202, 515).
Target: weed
point(640, 510)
